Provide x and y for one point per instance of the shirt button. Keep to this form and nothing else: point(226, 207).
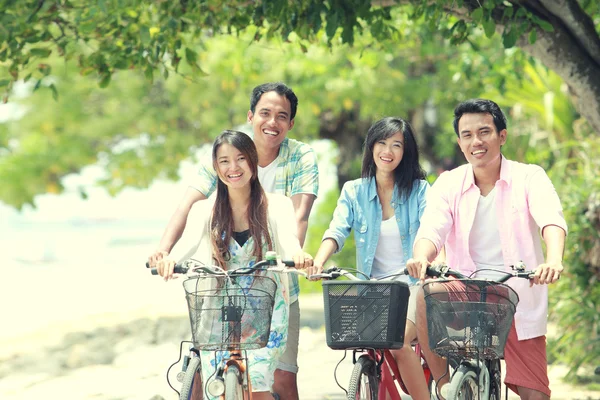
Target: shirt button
point(393, 204)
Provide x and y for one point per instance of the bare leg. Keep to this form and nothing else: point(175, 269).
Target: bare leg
point(437, 364)
point(197, 388)
point(262, 396)
point(409, 365)
point(285, 385)
point(531, 394)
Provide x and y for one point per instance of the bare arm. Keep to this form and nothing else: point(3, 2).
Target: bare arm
point(327, 248)
point(176, 224)
point(549, 272)
point(303, 203)
point(424, 252)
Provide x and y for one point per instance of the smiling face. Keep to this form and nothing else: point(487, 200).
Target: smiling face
point(480, 141)
point(387, 153)
point(270, 121)
point(232, 166)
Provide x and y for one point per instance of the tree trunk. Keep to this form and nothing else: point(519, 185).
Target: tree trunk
point(572, 49)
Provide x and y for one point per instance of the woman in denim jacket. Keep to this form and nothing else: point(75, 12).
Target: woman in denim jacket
point(384, 208)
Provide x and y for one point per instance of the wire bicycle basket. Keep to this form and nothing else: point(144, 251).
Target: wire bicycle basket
point(472, 321)
point(230, 312)
point(365, 314)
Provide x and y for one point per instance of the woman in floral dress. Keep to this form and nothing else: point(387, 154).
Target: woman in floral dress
point(233, 229)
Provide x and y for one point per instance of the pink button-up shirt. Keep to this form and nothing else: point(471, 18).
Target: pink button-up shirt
point(526, 202)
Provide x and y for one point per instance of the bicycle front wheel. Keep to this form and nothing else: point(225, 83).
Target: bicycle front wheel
point(463, 385)
point(363, 382)
point(189, 377)
point(233, 386)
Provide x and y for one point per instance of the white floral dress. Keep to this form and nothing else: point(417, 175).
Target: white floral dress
point(261, 363)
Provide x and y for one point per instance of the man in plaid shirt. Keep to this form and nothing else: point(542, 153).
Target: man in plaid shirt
point(286, 166)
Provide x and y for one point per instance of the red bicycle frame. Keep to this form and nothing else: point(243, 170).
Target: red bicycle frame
point(390, 374)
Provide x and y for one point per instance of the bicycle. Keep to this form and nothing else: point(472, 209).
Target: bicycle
point(220, 304)
point(471, 332)
point(369, 318)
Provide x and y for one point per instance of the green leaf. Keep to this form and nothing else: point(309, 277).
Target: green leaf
point(532, 36)
point(477, 14)
point(149, 73)
point(104, 79)
point(509, 39)
point(190, 56)
point(39, 52)
point(545, 25)
point(4, 82)
point(54, 92)
point(489, 27)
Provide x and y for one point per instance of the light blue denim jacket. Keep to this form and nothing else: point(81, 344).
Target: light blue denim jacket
point(359, 209)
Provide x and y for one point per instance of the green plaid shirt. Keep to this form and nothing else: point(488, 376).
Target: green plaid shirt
point(297, 172)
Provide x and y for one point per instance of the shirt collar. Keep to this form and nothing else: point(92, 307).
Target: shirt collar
point(284, 148)
point(372, 192)
point(504, 175)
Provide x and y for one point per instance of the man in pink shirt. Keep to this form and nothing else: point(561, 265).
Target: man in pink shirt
point(489, 214)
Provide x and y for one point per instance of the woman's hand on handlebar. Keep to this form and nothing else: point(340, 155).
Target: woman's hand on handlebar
point(165, 267)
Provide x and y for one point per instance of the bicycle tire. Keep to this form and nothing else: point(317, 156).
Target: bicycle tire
point(495, 379)
point(233, 387)
point(364, 384)
point(188, 379)
point(463, 385)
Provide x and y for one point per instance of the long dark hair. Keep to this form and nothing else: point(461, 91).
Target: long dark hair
point(409, 168)
point(222, 216)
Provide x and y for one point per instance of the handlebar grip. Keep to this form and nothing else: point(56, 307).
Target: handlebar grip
point(288, 263)
point(177, 270)
point(525, 275)
point(433, 272)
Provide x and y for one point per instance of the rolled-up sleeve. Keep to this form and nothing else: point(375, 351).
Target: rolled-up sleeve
point(343, 217)
point(306, 174)
point(437, 218)
point(543, 201)
point(206, 180)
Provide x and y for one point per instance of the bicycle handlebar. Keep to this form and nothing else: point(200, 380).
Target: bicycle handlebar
point(442, 271)
point(269, 261)
point(434, 271)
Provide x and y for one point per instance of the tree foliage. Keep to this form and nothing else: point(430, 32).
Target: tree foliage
point(155, 36)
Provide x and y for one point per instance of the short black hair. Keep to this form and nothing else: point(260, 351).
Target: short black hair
point(280, 88)
point(480, 106)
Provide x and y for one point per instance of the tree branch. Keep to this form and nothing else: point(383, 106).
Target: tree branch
point(579, 24)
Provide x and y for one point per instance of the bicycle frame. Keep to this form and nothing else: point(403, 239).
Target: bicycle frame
point(388, 373)
point(236, 359)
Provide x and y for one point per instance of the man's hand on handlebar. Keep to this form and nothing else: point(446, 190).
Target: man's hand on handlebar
point(302, 260)
point(417, 267)
point(547, 273)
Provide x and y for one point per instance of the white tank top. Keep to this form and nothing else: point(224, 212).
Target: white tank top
point(389, 253)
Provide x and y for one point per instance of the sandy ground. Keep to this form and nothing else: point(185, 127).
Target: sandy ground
point(115, 336)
